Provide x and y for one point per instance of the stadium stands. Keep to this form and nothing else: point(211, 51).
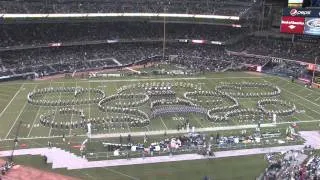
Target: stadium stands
point(281, 48)
point(229, 7)
point(45, 33)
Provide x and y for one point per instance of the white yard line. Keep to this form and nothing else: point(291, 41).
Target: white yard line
point(298, 96)
point(148, 129)
point(308, 108)
point(36, 117)
point(4, 110)
point(302, 98)
point(128, 127)
point(181, 122)
point(55, 113)
point(70, 130)
point(317, 98)
point(163, 123)
point(299, 85)
point(21, 110)
point(89, 99)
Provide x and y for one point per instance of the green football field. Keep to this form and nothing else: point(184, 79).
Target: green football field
point(14, 108)
point(237, 168)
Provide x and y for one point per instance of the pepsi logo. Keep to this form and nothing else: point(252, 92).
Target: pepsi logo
point(293, 12)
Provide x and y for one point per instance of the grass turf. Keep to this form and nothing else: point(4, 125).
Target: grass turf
point(17, 109)
point(14, 108)
point(240, 168)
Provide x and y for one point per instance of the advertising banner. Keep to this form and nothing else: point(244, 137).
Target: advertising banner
point(312, 26)
point(292, 25)
point(313, 67)
point(301, 12)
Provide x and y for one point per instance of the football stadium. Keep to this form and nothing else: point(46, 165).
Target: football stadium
point(159, 90)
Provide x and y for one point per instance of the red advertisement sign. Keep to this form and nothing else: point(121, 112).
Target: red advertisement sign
point(311, 67)
point(292, 25)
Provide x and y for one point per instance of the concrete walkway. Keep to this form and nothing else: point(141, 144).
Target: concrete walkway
point(63, 159)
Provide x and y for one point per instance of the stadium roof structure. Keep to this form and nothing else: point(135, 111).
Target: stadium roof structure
point(92, 15)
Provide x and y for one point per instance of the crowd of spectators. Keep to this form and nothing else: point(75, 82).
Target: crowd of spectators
point(204, 58)
point(286, 166)
point(214, 58)
point(229, 7)
point(75, 58)
point(281, 48)
point(286, 68)
point(45, 33)
point(312, 170)
point(51, 60)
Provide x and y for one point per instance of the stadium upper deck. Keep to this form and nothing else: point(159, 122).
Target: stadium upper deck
point(220, 7)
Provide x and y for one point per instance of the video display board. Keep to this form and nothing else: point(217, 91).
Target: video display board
point(295, 3)
point(301, 21)
point(312, 26)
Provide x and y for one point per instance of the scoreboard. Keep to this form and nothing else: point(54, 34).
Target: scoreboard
point(295, 3)
point(300, 21)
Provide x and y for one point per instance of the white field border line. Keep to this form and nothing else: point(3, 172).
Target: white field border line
point(4, 110)
point(165, 126)
point(120, 173)
point(21, 110)
point(160, 79)
point(141, 133)
point(36, 117)
point(171, 79)
point(317, 98)
point(55, 113)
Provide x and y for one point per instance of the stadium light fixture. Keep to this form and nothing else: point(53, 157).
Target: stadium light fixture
point(83, 15)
